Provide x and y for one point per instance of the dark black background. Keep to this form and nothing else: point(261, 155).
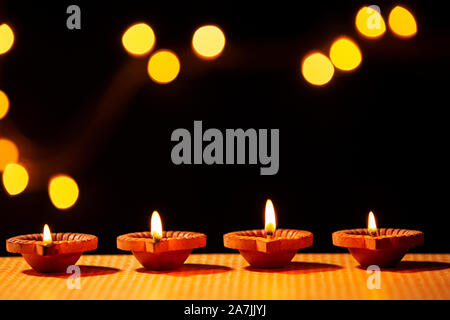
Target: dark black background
point(372, 139)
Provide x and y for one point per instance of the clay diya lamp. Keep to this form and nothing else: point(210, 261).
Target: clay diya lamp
point(381, 247)
point(51, 252)
point(161, 250)
point(271, 247)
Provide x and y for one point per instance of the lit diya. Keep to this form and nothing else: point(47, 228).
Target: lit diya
point(158, 249)
point(382, 247)
point(271, 247)
point(51, 252)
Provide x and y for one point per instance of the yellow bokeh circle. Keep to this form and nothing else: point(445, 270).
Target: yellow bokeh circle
point(63, 191)
point(345, 54)
point(4, 104)
point(370, 23)
point(139, 39)
point(317, 69)
point(208, 41)
point(15, 179)
point(402, 22)
point(6, 38)
point(163, 66)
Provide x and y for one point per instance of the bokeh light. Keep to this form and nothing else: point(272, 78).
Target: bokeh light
point(15, 179)
point(402, 22)
point(138, 39)
point(163, 66)
point(9, 153)
point(317, 69)
point(63, 191)
point(370, 23)
point(345, 54)
point(4, 104)
point(208, 42)
point(6, 38)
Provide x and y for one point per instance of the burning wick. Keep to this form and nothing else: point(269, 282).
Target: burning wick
point(156, 227)
point(372, 226)
point(270, 219)
point(47, 236)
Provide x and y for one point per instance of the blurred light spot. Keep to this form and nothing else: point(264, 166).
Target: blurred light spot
point(163, 66)
point(345, 54)
point(9, 153)
point(4, 104)
point(15, 179)
point(402, 22)
point(6, 38)
point(138, 39)
point(317, 69)
point(369, 22)
point(208, 42)
point(63, 191)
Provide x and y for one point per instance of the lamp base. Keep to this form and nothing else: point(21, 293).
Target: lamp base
point(384, 258)
point(57, 263)
point(277, 259)
point(162, 260)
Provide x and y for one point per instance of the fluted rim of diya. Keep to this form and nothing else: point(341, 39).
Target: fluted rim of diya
point(258, 240)
point(62, 243)
point(385, 238)
point(170, 241)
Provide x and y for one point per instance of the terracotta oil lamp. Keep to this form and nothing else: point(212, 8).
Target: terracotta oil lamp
point(158, 249)
point(384, 247)
point(51, 252)
point(271, 247)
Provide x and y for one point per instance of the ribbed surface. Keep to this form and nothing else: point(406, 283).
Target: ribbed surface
point(279, 233)
point(383, 232)
point(67, 236)
point(166, 234)
point(226, 276)
point(386, 238)
point(63, 243)
point(170, 241)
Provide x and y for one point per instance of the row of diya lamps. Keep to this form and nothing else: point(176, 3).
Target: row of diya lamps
point(268, 248)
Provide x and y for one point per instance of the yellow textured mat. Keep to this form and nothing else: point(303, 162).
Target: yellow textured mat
point(226, 276)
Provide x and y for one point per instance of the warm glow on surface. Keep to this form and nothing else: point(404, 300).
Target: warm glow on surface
point(156, 226)
point(138, 39)
point(63, 191)
point(345, 54)
point(9, 153)
point(4, 104)
point(6, 38)
point(163, 66)
point(370, 23)
point(317, 69)
point(208, 41)
point(47, 235)
point(15, 178)
point(371, 225)
point(402, 22)
point(270, 223)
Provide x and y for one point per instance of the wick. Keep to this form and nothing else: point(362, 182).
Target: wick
point(269, 234)
point(156, 240)
point(47, 245)
point(373, 233)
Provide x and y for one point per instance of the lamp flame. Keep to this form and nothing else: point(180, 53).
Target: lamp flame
point(270, 218)
point(372, 226)
point(156, 226)
point(47, 236)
